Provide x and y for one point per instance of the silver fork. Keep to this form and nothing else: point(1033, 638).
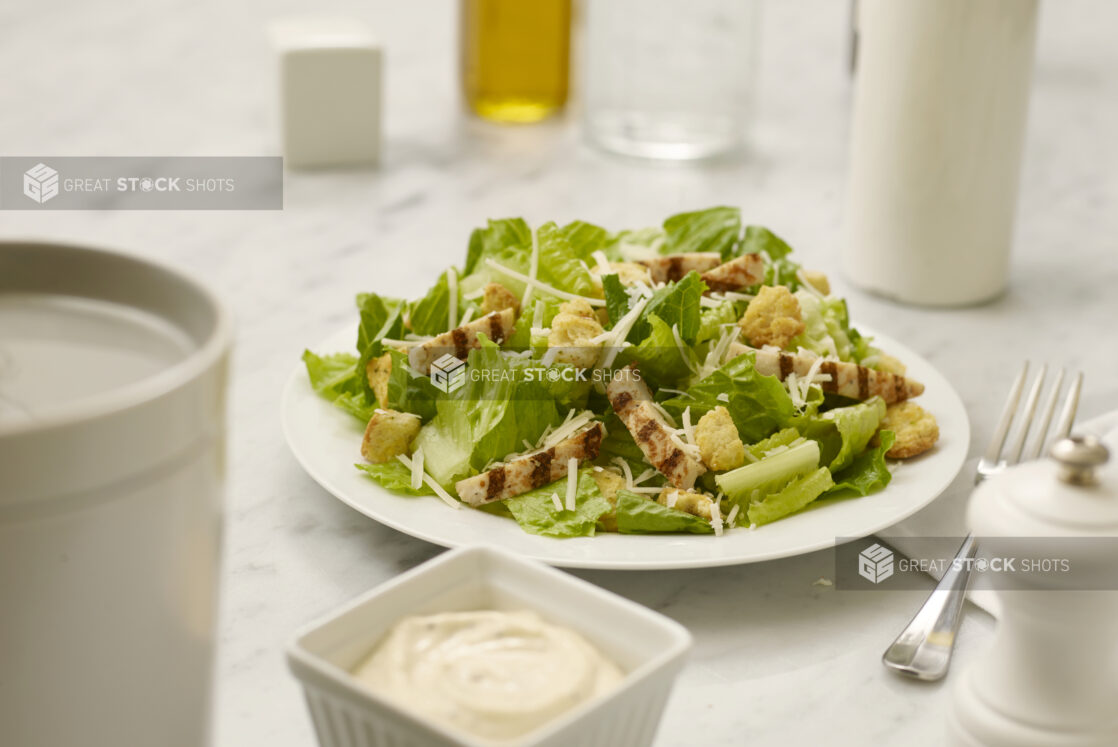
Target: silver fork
point(923, 649)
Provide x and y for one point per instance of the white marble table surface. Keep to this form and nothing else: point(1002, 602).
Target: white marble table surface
point(778, 660)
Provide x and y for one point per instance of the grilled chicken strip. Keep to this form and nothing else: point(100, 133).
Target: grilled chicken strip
point(530, 471)
point(847, 379)
point(459, 341)
point(672, 267)
point(632, 402)
point(743, 272)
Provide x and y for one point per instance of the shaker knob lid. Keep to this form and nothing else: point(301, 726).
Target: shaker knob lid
point(1079, 459)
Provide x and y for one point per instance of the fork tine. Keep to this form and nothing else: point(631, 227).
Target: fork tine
point(995, 448)
point(1071, 404)
point(1018, 444)
point(1046, 418)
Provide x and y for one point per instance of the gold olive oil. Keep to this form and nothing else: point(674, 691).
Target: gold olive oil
point(515, 56)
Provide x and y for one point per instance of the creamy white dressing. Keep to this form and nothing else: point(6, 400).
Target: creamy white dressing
point(495, 675)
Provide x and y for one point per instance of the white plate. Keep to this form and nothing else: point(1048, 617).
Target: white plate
point(327, 442)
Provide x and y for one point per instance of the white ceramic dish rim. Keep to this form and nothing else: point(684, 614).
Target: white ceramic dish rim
point(955, 431)
point(298, 656)
point(139, 393)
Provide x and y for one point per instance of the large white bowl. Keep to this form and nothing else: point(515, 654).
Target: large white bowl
point(648, 647)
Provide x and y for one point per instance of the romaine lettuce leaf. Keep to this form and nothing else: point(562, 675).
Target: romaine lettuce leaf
point(429, 315)
point(489, 417)
point(336, 378)
point(715, 229)
point(794, 496)
point(711, 320)
point(535, 510)
point(783, 437)
point(758, 479)
point(380, 318)
point(661, 361)
point(677, 304)
point(647, 238)
point(779, 269)
point(758, 404)
point(868, 472)
point(843, 432)
point(617, 300)
point(509, 243)
point(563, 264)
point(409, 391)
point(639, 515)
point(394, 476)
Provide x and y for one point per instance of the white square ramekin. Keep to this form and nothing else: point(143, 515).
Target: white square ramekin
point(648, 647)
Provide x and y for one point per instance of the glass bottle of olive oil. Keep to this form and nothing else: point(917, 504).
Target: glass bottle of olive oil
point(515, 56)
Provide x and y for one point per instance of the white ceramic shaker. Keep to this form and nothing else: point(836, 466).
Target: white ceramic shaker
point(1051, 675)
point(940, 101)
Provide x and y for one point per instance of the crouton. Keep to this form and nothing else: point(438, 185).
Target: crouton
point(497, 297)
point(388, 434)
point(695, 504)
point(629, 273)
point(378, 371)
point(609, 482)
point(818, 281)
point(915, 427)
point(719, 444)
point(571, 331)
point(772, 318)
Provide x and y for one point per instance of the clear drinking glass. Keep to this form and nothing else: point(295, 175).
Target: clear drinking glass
point(669, 80)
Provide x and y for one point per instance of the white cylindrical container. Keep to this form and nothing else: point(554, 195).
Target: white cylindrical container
point(112, 448)
point(1050, 676)
point(940, 106)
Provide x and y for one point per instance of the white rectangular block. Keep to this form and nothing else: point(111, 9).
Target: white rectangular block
point(330, 91)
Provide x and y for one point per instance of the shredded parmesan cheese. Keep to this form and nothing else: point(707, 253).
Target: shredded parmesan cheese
point(716, 516)
point(683, 352)
point(417, 469)
point(537, 314)
point(650, 472)
point(688, 431)
point(628, 473)
point(672, 498)
point(733, 515)
point(533, 270)
point(723, 397)
point(572, 482)
point(446, 497)
point(558, 503)
point(467, 315)
point(533, 283)
point(602, 262)
point(620, 331)
point(452, 297)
